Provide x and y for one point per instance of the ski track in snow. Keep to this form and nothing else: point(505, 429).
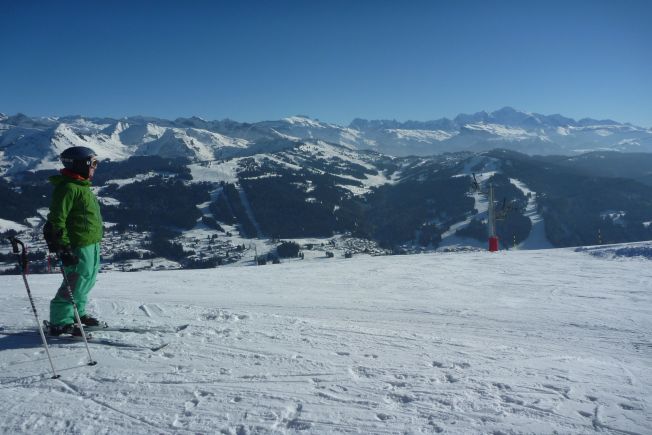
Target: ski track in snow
point(514, 342)
point(537, 237)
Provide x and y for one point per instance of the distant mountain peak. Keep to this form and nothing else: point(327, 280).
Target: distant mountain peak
point(507, 110)
point(304, 121)
point(27, 142)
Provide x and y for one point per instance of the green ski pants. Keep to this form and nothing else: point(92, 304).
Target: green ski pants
point(82, 279)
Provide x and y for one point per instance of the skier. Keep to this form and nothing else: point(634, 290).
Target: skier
point(74, 231)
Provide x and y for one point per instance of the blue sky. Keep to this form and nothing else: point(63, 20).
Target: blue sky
point(331, 60)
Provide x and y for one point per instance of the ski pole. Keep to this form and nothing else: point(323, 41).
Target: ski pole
point(22, 263)
point(74, 306)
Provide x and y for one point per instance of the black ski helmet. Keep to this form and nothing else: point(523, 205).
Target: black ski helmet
point(78, 159)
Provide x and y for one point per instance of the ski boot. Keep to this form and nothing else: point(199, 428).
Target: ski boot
point(89, 320)
point(92, 323)
point(57, 330)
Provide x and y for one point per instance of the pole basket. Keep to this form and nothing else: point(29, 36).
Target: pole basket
point(493, 244)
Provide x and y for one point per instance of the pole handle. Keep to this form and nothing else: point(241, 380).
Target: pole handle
point(22, 252)
point(14, 244)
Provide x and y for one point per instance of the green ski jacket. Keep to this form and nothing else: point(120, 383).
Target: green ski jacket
point(76, 211)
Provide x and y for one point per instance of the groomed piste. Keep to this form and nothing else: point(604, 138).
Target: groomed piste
point(541, 341)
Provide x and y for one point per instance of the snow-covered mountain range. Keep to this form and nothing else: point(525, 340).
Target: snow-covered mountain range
point(34, 143)
point(195, 193)
point(326, 198)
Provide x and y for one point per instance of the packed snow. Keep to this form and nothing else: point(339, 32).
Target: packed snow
point(550, 341)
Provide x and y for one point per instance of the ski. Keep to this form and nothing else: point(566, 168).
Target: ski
point(132, 329)
point(63, 339)
point(108, 342)
point(137, 329)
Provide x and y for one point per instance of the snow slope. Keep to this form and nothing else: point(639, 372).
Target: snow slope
point(6, 225)
point(513, 342)
point(537, 238)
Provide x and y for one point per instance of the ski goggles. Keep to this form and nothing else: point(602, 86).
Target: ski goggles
point(93, 163)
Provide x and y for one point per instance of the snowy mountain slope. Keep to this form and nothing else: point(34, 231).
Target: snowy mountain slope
point(530, 133)
point(328, 187)
point(421, 135)
point(6, 225)
point(32, 148)
point(191, 143)
point(302, 127)
point(515, 342)
point(30, 143)
point(537, 238)
point(37, 147)
point(315, 156)
point(316, 189)
point(339, 161)
point(136, 134)
point(483, 168)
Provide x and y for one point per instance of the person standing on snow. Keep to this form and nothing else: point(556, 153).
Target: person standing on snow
point(74, 231)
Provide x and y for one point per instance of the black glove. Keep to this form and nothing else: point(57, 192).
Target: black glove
point(52, 238)
point(68, 258)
